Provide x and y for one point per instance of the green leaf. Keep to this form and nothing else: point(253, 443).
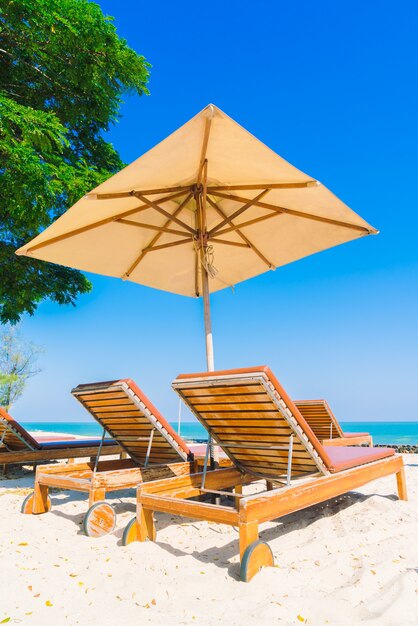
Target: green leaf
point(63, 71)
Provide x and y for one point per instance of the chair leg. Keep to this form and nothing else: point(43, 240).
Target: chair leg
point(95, 495)
point(401, 482)
point(40, 499)
point(248, 533)
point(254, 554)
point(237, 489)
point(145, 523)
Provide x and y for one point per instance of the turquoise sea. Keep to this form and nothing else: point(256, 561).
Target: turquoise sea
point(405, 433)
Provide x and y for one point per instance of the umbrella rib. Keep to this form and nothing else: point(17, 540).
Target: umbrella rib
point(156, 237)
point(181, 242)
point(129, 194)
point(249, 203)
point(84, 229)
point(309, 216)
point(243, 237)
point(106, 220)
point(161, 229)
point(248, 223)
point(196, 265)
point(208, 124)
point(308, 183)
point(230, 243)
point(171, 217)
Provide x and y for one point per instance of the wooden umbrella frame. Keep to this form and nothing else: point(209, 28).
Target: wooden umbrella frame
point(199, 235)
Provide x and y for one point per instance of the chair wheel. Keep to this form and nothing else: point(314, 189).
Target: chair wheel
point(130, 533)
point(27, 504)
point(99, 520)
point(257, 555)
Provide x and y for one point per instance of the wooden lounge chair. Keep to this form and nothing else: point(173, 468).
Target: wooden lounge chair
point(17, 446)
point(248, 413)
point(154, 448)
point(326, 426)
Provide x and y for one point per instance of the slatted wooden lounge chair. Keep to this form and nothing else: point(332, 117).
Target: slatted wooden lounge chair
point(17, 446)
point(154, 448)
point(326, 426)
point(251, 417)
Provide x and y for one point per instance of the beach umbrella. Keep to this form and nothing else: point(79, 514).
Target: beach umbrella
point(208, 207)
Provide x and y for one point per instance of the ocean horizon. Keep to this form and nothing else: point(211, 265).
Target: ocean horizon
point(401, 433)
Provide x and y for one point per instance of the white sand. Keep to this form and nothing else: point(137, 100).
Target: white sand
point(350, 561)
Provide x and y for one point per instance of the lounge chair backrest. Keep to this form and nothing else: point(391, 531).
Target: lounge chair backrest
point(130, 418)
point(320, 418)
point(251, 417)
point(13, 436)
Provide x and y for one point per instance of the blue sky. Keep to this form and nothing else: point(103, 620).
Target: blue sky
point(330, 86)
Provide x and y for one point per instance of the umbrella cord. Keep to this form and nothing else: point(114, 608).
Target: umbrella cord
point(207, 262)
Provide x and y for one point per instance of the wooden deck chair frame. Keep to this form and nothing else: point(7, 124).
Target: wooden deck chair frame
point(282, 496)
point(326, 427)
point(18, 447)
point(117, 406)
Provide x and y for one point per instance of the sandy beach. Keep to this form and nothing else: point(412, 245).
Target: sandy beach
point(353, 560)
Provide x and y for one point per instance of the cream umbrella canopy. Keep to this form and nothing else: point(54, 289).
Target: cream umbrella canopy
point(208, 207)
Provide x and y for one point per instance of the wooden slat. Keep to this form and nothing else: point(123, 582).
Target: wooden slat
point(247, 414)
point(120, 402)
point(123, 417)
point(227, 415)
point(320, 419)
point(222, 390)
point(233, 406)
point(112, 395)
point(231, 398)
point(110, 409)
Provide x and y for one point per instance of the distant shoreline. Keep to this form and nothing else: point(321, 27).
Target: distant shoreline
point(399, 447)
point(401, 435)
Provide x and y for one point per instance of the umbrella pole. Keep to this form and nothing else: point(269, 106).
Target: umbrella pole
point(210, 362)
point(200, 199)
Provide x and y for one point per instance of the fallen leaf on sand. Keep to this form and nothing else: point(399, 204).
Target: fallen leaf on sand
point(318, 563)
point(48, 603)
point(5, 620)
point(153, 601)
point(22, 543)
point(372, 571)
point(301, 619)
point(30, 587)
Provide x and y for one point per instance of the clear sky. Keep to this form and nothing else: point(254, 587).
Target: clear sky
point(330, 86)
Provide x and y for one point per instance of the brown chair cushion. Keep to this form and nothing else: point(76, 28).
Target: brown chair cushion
point(343, 458)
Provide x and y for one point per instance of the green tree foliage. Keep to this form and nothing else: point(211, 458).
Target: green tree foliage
point(18, 363)
point(63, 71)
